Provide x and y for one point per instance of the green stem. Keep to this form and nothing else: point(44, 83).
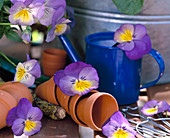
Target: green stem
point(20, 28)
point(7, 59)
point(5, 23)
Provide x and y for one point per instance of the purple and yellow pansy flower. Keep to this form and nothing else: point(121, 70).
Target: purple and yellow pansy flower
point(24, 118)
point(134, 40)
point(118, 127)
point(26, 12)
point(58, 28)
point(77, 78)
point(27, 72)
point(154, 107)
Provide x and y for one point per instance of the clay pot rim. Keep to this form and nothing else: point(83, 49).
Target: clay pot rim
point(24, 88)
point(92, 102)
point(73, 111)
point(74, 107)
point(53, 52)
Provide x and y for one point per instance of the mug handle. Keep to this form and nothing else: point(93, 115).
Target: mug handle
point(161, 64)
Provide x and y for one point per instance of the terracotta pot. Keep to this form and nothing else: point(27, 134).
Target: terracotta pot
point(73, 107)
point(26, 91)
point(95, 110)
point(10, 94)
point(52, 60)
point(7, 102)
point(63, 99)
point(51, 93)
point(16, 91)
point(46, 91)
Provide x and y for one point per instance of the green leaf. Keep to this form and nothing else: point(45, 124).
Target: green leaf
point(131, 7)
point(12, 35)
point(1, 4)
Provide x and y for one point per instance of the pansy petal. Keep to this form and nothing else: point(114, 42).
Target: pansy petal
point(55, 4)
point(28, 131)
point(138, 51)
point(26, 37)
point(149, 108)
point(129, 27)
point(147, 41)
point(12, 116)
point(50, 35)
point(18, 126)
point(117, 36)
point(28, 80)
point(60, 29)
point(119, 118)
point(88, 73)
point(84, 87)
point(19, 14)
point(28, 57)
point(110, 128)
point(140, 31)
point(23, 108)
point(34, 114)
point(29, 64)
point(37, 10)
point(163, 106)
point(18, 6)
point(74, 69)
point(58, 75)
point(48, 16)
point(58, 14)
point(66, 84)
point(19, 72)
point(126, 46)
point(36, 70)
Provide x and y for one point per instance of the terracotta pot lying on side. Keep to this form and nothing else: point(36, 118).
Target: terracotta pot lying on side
point(10, 94)
point(90, 110)
point(53, 60)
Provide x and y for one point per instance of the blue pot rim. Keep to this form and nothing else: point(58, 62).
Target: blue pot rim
point(103, 36)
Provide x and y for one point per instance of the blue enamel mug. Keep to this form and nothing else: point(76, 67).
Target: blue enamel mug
point(118, 75)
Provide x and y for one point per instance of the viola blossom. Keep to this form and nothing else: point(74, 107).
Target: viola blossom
point(26, 36)
point(52, 6)
point(24, 118)
point(77, 78)
point(27, 72)
point(118, 127)
point(154, 107)
point(26, 12)
point(134, 40)
point(57, 29)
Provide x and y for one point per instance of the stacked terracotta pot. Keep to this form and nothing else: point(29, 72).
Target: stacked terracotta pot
point(90, 110)
point(10, 95)
point(53, 60)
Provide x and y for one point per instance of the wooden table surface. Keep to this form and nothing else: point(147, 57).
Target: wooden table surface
point(65, 128)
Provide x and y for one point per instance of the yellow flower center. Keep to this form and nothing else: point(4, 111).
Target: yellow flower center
point(29, 125)
point(120, 133)
point(82, 85)
point(23, 14)
point(59, 27)
point(126, 36)
point(152, 110)
point(20, 73)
